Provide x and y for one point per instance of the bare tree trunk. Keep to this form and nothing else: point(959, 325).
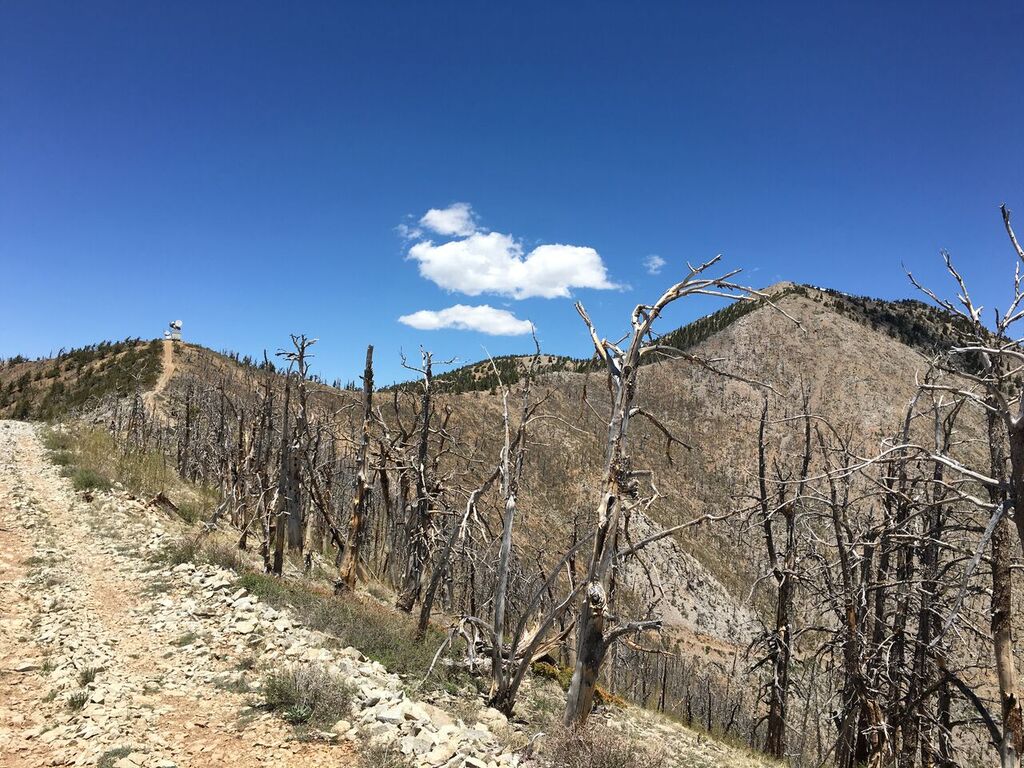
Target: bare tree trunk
point(348, 571)
point(1002, 628)
point(284, 489)
point(420, 514)
point(1010, 746)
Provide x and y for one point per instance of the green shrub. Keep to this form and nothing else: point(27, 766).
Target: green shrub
point(62, 458)
point(178, 551)
point(188, 511)
point(111, 756)
point(561, 675)
point(307, 694)
point(57, 440)
point(89, 479)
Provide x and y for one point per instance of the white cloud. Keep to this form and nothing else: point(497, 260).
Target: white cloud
point(490, 262)
point(653, 264)
point(483, 318)
point(457, 219)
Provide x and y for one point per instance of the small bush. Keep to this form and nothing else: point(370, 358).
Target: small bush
point(178, 551)
point(189, 511)
point(561, 675)
point(375, 754)
point(594, 747)
point(307, 694)
point(56, 440)
point(111, 756)
point(87, 675)
point(62, 458)
point(222, 555)
point(89, 480)
point(77, 700)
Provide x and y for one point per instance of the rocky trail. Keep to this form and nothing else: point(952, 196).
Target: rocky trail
point(105, 655)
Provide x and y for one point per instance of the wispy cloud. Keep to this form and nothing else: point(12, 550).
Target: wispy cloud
point(482, 318)
point(653, 264)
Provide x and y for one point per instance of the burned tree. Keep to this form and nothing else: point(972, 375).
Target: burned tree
point(620, 491)
point(348, 570)
point(985, 369)
point(785, 500)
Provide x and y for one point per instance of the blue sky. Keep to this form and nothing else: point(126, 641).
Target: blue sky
point(259, 168)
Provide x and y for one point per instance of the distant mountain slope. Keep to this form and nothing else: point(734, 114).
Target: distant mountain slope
point(920, 326)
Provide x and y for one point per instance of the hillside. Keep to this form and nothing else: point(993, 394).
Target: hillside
point(78, 379)
point(920, 326)
point(845, 350)
point(117, 651)
point(857, 359)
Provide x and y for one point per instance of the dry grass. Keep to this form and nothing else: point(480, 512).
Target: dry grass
point(596, 747)
point(307, 694)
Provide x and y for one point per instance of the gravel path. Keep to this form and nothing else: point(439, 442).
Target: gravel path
point(84, 623)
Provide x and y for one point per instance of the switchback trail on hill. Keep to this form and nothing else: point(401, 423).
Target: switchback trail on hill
point(95, 656)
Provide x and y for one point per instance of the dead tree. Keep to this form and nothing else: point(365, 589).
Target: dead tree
point(620, 488)
point(286, 491)
point(418, 521)
point(989, 375)
point(348, 571)
point(784, 502)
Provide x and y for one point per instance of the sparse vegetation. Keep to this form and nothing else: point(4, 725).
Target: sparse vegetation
point(380, 632)
point(376, 754)
point(307, 694)
point(90, 480)
point(50, 389)
point(111, 756)
point(598, 747)
point(186, 639)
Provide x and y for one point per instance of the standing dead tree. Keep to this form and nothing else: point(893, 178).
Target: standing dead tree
point(348, 570)
point(597, 628)
point(783, 501)
point(989, 375)
point(427, 487)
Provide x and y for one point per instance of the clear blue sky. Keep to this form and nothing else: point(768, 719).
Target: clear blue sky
point(260, 168)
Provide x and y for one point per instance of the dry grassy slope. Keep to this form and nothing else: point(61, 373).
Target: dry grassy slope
point(860, 379)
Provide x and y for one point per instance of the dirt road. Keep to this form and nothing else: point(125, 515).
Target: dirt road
point(100, 655)
point(166, 372)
